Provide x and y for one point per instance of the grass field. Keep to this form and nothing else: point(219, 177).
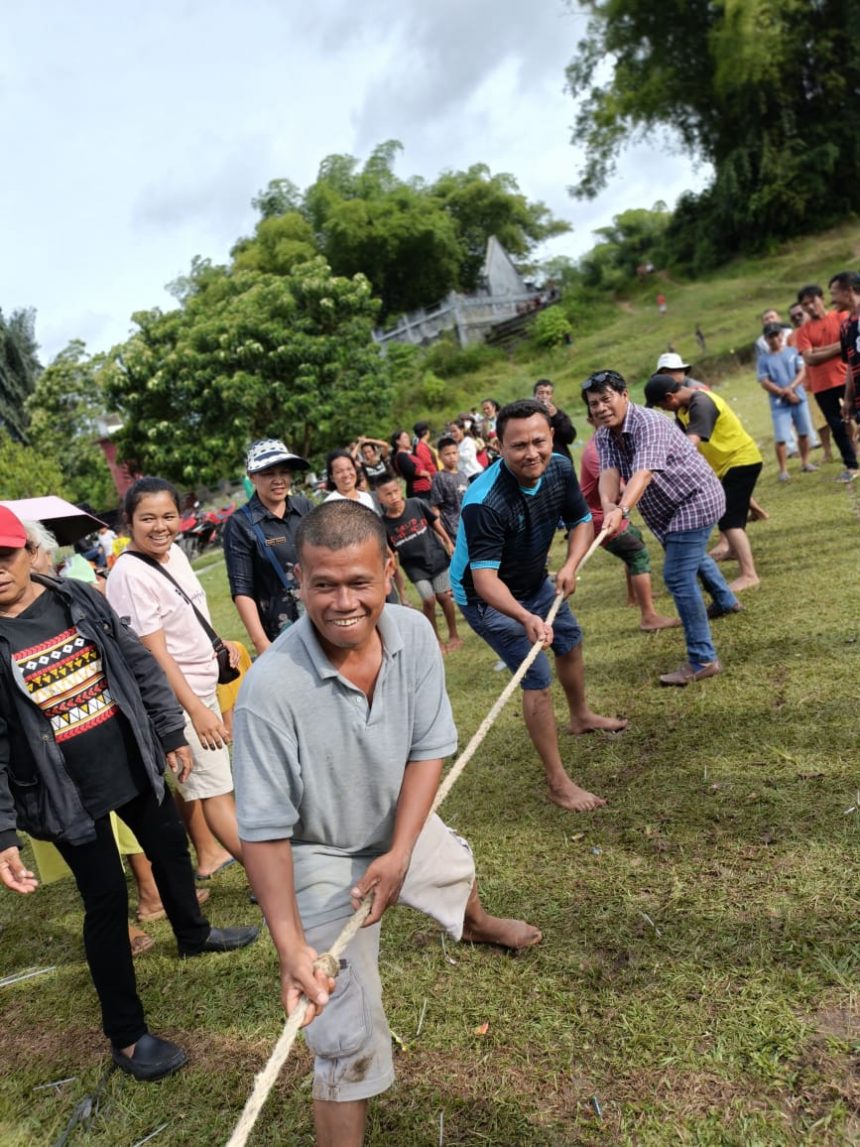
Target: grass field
point(697, 978)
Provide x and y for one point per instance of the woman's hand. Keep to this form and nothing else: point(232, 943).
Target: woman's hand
point(209, 728)
point(235, 653)
point(13, 873)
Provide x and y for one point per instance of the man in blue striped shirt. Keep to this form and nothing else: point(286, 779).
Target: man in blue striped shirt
point(499, 579)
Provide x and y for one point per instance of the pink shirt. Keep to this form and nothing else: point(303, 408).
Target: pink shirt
point(589, 483)
point(148, 602)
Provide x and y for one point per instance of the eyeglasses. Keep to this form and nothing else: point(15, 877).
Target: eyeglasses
point(601, 377)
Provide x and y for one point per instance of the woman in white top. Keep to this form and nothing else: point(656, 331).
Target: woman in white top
point(154, 589)
point(342, 474)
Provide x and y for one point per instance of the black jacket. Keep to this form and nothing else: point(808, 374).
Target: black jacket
point(37, 794)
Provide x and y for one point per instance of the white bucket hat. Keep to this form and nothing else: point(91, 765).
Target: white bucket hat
point(671, 361)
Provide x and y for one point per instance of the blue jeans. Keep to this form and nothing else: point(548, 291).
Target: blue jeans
point(685, 561)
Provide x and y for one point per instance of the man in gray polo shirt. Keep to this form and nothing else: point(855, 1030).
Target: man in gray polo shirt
point(339, 736)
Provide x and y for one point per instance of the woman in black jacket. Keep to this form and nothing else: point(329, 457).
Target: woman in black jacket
point(86, 721)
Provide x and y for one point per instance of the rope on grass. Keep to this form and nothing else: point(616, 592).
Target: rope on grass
point(329, 961)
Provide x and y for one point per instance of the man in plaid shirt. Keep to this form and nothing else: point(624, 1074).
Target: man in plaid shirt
point(680, 498)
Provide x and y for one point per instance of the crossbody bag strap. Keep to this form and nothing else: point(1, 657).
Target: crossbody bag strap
point(150, 561)
point(267, 550)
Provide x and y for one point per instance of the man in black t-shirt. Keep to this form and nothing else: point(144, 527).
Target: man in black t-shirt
point(423, 549)
point(849, 341)
point(563, 430)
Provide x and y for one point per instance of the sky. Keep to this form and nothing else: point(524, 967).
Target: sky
point(136, 132)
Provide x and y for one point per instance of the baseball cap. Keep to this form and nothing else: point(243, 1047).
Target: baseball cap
point(657, 387)
point(270, 452)
point(772, 329)
point(13, 536)
point(671, 361)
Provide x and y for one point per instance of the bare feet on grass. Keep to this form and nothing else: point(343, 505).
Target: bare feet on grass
point(742, 583)
point(589, 722)
point(570, 796)
point(453, 645)
point(516, 935)
point(655, 621)
point(720, 554)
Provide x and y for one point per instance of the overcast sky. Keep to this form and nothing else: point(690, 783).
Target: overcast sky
point(136, 133)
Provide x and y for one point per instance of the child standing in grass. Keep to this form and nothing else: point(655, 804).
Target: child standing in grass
point(423, 549)
point(449, 486)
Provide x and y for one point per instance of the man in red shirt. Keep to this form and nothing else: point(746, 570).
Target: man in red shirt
point(819, 344)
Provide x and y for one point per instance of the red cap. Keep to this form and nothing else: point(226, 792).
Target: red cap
point(13, 536)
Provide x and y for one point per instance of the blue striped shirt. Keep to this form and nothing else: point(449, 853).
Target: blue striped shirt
point(510, 528)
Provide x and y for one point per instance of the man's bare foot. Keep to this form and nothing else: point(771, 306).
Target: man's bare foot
point(591, 723)
point(572, 797)
point(757, 513)
point(720, 554)
point(454, 644)
point(655, 622)
point(514, 934)
point(742, 583)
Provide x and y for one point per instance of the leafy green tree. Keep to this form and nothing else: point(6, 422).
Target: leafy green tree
point(765, 90)
point(633, 238)
point(414, 241)
point(19, 369)
point(64, 411)
point(248, 355)
point(482, 204)
point(26, 472)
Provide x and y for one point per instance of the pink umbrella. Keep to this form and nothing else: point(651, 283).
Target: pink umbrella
point(65, 521)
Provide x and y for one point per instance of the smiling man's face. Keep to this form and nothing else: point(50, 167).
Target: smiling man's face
point(527, 447)
point(344, 592)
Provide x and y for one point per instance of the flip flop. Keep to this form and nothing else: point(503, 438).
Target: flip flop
point(160, 913)
point(220, 868)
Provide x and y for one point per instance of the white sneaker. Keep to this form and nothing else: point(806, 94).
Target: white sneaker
point(808, 468)
point(848, 476)
point(783, 476)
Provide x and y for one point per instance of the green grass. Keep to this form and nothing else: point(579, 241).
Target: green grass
point(700, 955)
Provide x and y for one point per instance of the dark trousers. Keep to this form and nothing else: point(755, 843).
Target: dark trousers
point(828, 403)
point(101, 882)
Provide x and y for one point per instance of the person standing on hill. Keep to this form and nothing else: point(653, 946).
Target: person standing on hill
point(818, 341)
point(781, 372)
point(563, 430)
point(849, 337)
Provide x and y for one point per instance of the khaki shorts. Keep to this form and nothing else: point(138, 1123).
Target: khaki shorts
point(351, 1041)
point(211, 775)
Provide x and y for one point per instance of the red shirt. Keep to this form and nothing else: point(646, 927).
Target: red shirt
point(817, 333)
point(589, 482)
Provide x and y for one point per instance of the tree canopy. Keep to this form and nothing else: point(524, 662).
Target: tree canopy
point(64, 410)
point(247, 355)
point(765, 90)
point(415, 241)
point(19, 369)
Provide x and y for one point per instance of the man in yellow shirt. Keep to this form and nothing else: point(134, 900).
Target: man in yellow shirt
point(716, 431)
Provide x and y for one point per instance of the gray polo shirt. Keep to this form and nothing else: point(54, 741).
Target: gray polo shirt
point(313, 761)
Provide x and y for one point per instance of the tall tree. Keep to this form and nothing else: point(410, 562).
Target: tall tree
point(248, 355)
point(413, 240)
point(65, 410)
point(19, 369)
point(765, 90)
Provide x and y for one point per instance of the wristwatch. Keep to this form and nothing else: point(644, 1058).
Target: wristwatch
point(625, 512)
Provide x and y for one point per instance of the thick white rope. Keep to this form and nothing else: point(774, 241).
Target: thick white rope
point(330, 961)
